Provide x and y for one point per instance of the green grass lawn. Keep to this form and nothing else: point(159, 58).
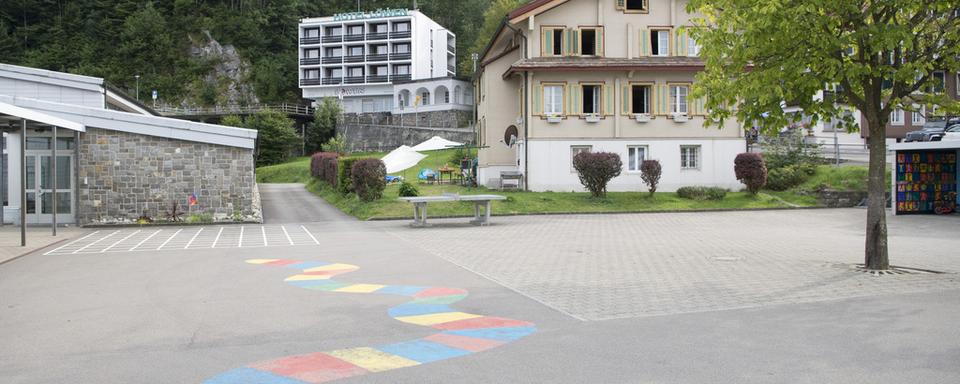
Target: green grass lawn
point(844, 178)
point(297, 171)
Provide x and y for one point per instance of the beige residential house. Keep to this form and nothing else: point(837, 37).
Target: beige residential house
point(564, 76)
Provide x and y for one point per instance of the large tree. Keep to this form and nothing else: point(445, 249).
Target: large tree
point(878, 55)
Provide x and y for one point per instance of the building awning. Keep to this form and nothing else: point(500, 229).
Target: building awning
point(39, 117)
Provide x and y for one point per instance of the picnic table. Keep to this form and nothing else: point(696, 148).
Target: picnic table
point(420, 206)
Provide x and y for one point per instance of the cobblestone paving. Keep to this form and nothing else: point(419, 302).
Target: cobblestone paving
point(596, 267)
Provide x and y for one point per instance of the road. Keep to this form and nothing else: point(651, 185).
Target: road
point(291, 203)
point(236, 312)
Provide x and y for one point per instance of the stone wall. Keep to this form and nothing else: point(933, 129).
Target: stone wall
point(123, 176)
point(436, 119)
point(384, 131)
point(843, 199)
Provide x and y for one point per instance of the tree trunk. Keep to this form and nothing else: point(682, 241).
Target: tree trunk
point(876, 242)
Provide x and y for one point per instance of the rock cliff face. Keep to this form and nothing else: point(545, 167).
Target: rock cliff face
point(227, 83)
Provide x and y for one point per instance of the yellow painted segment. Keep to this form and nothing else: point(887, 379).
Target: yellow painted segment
point(371, 359)
point(360, 288)
point(261, 261)
point(437, 318)
point(306, 278)
point(332, 267)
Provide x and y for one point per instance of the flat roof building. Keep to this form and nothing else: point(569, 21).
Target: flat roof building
point(358, 56)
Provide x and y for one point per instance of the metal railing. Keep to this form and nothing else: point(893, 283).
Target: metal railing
point(380, 57)
point(400, 35)
point(287, 109)
point(312, 81)
point(353, 59)
point(353, 37)
point(310, 61)
point(378, 36)
point(309, 40)
point(400, 56)
point(400, 78)
point(378, 79)
point(332, 80)
point(333, 39)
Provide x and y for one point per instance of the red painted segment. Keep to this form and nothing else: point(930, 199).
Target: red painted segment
point(466, 343)
point(282, 262)
point(440, 291)
point(313, 368)
point(482, 322)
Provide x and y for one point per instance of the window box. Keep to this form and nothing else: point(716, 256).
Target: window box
point(680, 118)
point(642, 118)
point(554, 119)
point(592, 118)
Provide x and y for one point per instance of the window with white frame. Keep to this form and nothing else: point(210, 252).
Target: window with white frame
point(896, 117)
point(576, 150)
point(693, 48)
point(917, 117)
point(689, 156)
point(591, 99)
point(552, 100)
point(678, 99)
point(660, 42)
point(636, 154)
point(640, 99)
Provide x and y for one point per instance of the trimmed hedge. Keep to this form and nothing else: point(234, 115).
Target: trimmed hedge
point(330, 171)
point(702, 193)
point(596, 169)
point(369, 178)
point(751, 171)
point(344, 180)
point(316, 163)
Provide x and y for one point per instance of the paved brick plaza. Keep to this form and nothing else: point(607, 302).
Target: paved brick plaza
point(596, 267)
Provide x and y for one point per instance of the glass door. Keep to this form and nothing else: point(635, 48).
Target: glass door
point(39, 202)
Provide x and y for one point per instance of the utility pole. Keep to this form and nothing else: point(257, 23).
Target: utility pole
point(138, 86)
point(475, 57)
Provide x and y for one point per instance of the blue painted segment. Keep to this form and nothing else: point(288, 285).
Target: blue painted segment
point(501, 334)
point(250, 376)
point(423, 351)
point(401, 290)
point(418, 309)
point(323, 285)
point(307, 265)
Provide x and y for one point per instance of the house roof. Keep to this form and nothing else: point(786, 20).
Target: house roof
point(139, 124)
point(53, 77)
point(568, 64)
point(532, 8)
point(16, 112)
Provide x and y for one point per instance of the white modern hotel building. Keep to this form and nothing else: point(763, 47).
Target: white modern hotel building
point(358, 56)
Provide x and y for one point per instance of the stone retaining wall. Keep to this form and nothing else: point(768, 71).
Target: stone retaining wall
point(124, 175)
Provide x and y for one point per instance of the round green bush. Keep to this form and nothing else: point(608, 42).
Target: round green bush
point(702, 193)
point(408, 190)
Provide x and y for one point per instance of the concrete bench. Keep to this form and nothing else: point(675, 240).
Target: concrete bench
point(420, 206)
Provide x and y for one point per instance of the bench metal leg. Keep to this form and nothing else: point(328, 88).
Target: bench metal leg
point(420, 215)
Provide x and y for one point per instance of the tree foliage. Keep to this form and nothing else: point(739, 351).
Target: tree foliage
point(324, 124)
point(650, 172)
point(875, 55)
point(751, 171)
point(276, 138)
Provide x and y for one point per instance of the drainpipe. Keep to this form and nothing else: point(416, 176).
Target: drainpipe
point(526, 111)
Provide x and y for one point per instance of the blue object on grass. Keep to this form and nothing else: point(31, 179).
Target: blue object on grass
point(425, 173)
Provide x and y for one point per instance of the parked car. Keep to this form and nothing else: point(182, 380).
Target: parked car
point(932, 130)
point(952, 133)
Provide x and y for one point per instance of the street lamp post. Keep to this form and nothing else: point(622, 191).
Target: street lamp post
point(138, 86)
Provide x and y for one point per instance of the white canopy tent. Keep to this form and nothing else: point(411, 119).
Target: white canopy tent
point(436, 143)
point(401, 159)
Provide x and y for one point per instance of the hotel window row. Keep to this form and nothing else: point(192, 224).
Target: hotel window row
point(636, 154)
point(597, 98)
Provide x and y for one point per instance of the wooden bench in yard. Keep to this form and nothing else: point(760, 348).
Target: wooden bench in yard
point(420, 206)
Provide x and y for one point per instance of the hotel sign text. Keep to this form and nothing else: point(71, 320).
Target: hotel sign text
point(380, 13)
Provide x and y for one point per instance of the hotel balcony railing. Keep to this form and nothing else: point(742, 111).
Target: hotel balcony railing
point(451, 48)
point(333, 39)
point(400, 56)
point(314, 81)
point(378, 36)
point(381, 57)
point(310, 61)
point(332, 80)
point(377, 79)
point(451, 68)
point(353, 59)
point(333, 60)
point(309, 40)
point(353, 80)
point(400, 78)
point(354, 37)
point(400, 35)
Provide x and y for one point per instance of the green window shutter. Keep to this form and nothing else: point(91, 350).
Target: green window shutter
point(644, 42)
point(608, 100)
point(575, 39)
point(538, 100)
point(547, 37)
point(621, 4)
point(625, 99)
point(599, 43)
point(575, 105)
point(663, 106)
point(566, 42)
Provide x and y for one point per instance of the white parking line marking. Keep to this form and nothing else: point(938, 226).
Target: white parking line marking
point(287, 234)
point(310, 234)
point(120, 241)
point(217, 239)
point(193, 238)
point(145, 240)
point(97, 241)
point(72, 242)
point(171, 238)
point(240, 240)
point(263, 232)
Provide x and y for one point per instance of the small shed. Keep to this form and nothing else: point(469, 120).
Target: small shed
point(924, 177)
